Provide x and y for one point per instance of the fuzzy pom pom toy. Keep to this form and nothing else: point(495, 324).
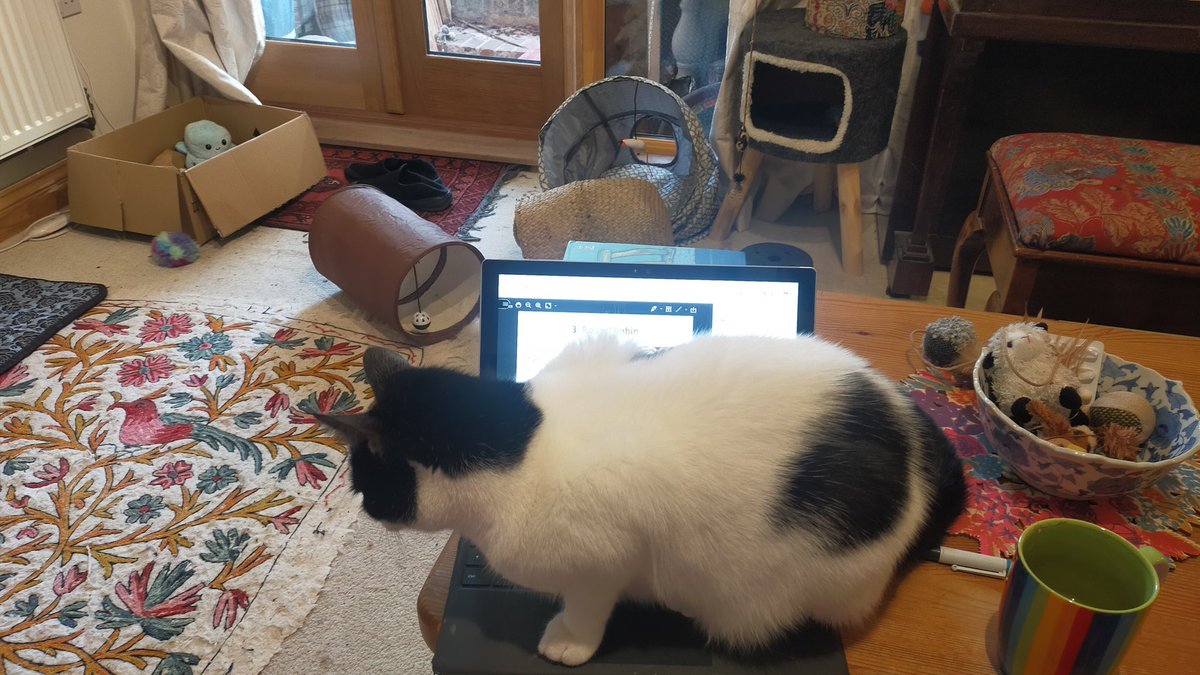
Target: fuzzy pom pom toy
point(173, 249)
point(950, 342)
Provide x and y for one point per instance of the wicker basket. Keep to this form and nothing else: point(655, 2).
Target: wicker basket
point(626, 211)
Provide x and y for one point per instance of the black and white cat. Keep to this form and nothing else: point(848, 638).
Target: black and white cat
point(749, 483)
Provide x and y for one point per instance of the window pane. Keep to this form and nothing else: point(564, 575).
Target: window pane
point(490, 29)
point(328, 21)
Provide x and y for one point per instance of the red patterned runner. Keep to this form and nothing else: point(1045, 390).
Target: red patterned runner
point(472, 182)
point(169, 502)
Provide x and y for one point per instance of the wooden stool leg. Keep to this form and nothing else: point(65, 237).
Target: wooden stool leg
point(1016, 297)
point(823, 187)
point(732, 206)
point(850, 201)
point(966, 253)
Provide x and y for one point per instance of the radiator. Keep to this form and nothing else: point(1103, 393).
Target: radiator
point(40, 90)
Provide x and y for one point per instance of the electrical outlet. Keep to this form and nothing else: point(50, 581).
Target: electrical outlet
point(69, 7)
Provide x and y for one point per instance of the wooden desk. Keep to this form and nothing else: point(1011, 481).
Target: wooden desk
point(998, 67)
point(937, 621)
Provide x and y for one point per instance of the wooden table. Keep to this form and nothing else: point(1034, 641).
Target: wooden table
point(998, 67)
point(938, 621)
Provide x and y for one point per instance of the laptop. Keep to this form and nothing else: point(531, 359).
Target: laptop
point(530, 310)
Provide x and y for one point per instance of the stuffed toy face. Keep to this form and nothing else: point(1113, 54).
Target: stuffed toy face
point(203, 140)
point(1021, 366)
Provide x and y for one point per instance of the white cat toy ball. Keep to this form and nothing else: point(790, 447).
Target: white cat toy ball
point(421, 320)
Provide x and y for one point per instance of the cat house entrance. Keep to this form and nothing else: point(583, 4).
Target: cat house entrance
point(797, 104)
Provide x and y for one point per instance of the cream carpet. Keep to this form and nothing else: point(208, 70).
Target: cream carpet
point(365, 620)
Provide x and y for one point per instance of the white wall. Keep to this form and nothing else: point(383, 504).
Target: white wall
point(102, 40)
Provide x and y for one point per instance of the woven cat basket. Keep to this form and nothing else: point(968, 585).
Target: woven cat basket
point(625, 211)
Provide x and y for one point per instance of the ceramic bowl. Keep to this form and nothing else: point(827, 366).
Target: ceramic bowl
point(1075, 475)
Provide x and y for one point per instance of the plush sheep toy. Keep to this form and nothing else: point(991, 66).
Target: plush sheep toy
point(1022, 365)
point(203, 140)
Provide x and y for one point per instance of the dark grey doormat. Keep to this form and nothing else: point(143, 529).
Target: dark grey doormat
point(32, 310)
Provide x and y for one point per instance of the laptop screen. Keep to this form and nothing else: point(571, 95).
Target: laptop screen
point(531, 309)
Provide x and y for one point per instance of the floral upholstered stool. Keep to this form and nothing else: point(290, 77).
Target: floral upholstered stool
point(1088, 228)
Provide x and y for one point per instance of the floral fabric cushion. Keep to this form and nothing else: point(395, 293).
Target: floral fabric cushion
point(1095, 194)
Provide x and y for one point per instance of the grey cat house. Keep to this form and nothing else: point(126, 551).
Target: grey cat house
point(819, 98)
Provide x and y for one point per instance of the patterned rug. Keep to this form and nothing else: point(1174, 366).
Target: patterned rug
point(473, 183)
point(1000, 506)
point(31, 310)
point(169, 503)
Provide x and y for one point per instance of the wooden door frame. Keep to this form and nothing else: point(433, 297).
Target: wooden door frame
point(351, 101)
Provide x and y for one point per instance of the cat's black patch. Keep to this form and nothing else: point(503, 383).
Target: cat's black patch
point(850, 483)
point(453, 422)
point(388, 486)
point(441, 419)
point(944, 467)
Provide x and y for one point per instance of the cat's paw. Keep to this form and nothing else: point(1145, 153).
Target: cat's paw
point(560, 645)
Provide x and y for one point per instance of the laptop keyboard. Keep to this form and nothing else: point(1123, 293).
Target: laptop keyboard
point(476, 573)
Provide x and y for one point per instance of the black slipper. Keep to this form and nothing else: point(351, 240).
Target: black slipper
point(414, 190)
point(357, 173)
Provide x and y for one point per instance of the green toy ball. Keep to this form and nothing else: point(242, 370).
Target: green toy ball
point(173, 249)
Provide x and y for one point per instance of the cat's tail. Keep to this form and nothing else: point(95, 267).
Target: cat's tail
point(949, 488)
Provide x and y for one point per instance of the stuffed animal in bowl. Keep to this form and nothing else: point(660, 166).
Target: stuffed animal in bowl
point(1023, 363)
point(1087, 475)
point(203, 140)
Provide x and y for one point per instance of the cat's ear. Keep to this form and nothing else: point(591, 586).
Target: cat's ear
point(380, 365)
point(353, 428)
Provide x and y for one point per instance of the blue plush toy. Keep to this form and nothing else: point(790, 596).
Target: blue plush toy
point(203, 140)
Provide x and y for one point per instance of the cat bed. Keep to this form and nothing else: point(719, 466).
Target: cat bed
point(618, 210)
point(582, 140)
point(815, 97)
point(396, 264)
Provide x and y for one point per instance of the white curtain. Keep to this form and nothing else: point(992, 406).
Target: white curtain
point(192, 47)
point(782, 180)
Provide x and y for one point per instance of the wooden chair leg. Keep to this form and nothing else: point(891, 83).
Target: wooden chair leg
point(823, 187)
point(962, 265)
point(1015, 298)
point(736, 198)
point(850, 201)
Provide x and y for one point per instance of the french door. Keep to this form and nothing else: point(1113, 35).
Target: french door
point(482, 67)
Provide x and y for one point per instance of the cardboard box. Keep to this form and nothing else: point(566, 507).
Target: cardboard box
point(113, 184)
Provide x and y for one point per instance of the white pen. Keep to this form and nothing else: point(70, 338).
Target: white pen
point(973, 563)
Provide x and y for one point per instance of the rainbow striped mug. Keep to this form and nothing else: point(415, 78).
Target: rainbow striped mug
point(1074, 599)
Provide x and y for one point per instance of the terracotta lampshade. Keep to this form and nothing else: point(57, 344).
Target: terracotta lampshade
point(395, 263)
